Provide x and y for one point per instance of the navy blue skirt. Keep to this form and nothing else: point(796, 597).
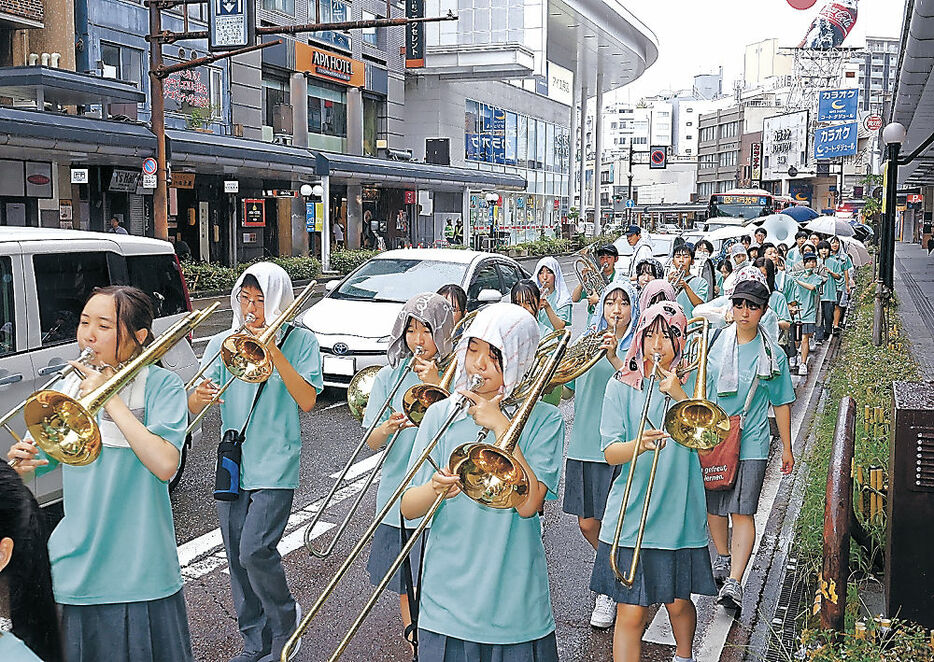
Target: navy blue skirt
point(387, 543)
point(661, 576)
point(586, 487)
point(743, 497)
point(151, 631)
point(434, 647)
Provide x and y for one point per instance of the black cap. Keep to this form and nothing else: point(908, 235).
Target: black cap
point(633, 229)
point(751, 290)
point(608, 249)
point(808, 256)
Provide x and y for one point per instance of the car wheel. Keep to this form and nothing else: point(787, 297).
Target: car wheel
point(176, 479)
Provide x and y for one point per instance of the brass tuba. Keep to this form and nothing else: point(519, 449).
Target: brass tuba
point(588, 270)
point(66, 428)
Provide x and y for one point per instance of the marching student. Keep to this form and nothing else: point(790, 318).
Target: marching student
point(794, 255)
point(485, 593)
point(748, 371)
point(694, 288)
point(835, 272)
point(253, 523)
point(843, 293)
point(115, 570)
point(723, 273)
point(25, 571)
point(780, 319)
point(525, 293)
point(647, 270)
point(607, 256)
point(425, 324)
point(655, 291)
point(674, 561)
point(555, 306)
point(587, 475)
point(807, 282)
point(457, 297)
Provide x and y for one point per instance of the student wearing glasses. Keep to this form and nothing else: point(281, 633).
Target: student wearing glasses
point(743, 358)
point(252, 525)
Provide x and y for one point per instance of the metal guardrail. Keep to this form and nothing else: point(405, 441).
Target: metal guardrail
point(838, 517)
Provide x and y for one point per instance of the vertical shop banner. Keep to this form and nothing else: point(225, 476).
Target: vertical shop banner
point(254, 213)
point(415, 35)
point(755, 164)
point(499, 136)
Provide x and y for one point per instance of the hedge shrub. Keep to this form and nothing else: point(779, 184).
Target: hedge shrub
point(205, 277)
point(347, 260)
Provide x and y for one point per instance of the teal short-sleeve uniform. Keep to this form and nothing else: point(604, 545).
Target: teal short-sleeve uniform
point(12, 649)
point(395, 463)
point(700, 286)
point(564, 312)
point(833, 285)
point(793, 257)
point(754, 443)
point(273, 442)
point(777, 312)
point(588, 403)
point(116, 542)
point(807, 298)
point(484, 576)
point(677, 517)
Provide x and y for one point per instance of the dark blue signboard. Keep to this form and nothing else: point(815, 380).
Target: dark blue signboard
point(837, 105)
point(835, 141)
point(499, 135)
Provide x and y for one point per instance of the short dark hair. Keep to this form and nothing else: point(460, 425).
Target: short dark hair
point(683, 249)
point(745, 238)
point(249, 280)
point(526, 291)
point(455, 293)
point(705, 243)
point(758, 230)
point(764, 262)
point(765, 245)
point(823, 243)
point(801, 234)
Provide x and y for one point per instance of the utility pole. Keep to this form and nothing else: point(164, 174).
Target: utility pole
point(158, 72)
point(629, 193)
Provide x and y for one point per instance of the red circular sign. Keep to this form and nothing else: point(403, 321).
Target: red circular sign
point(658, 156)
point(873, 122)
point(802, 4)
point(38, 180)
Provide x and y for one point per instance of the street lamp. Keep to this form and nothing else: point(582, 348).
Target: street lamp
point(893, 135)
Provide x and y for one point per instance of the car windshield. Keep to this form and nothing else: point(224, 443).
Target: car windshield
point(398, 280)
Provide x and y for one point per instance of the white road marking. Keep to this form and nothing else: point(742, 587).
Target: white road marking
point(199, 341)
point(204, 554)
point(714, 636)
point(336, 404)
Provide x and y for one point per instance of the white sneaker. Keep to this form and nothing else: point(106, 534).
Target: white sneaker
point(604, 612)
point(803, 369)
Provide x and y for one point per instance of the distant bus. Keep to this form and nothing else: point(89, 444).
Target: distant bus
point(744, 205)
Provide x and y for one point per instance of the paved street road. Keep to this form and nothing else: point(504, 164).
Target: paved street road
point(329, 434)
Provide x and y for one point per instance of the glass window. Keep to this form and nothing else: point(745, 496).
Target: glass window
point(397, 280)
point(485, 278)
point(284, 6)
point(330, 11)
point(522, 148)
point(369, 35)
point(510, 276)
point(275, 94)
point(7, 308)
point(374, 116)
point(533, 144)
point(550, 147)
point(64, 282)
point(122, 63)
point(160, 277)
point(327, 111)
point(540, 144)
point(511, 138)
point(217, 91)
point(471, 130)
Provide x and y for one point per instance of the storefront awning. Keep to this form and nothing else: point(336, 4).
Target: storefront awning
point(29, 133)
point(65, 88)
point(366, 170)
point(227, 154)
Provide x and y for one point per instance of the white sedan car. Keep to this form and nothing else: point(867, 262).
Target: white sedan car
point(354, 320)
point(662, 247)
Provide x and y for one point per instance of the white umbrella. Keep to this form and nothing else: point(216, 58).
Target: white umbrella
point(857, 251)
point(728, 232)
point(830, 225)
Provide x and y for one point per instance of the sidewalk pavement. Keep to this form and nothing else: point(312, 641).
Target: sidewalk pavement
point(914, 284)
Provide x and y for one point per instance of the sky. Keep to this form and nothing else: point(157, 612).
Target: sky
point(698, 36)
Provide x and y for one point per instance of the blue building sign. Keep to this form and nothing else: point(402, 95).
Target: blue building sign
point(835, 141)
point(837, 105)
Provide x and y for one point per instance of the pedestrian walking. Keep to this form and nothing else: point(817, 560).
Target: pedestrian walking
point(115, 227)
point(641, 249)
point(807, 282)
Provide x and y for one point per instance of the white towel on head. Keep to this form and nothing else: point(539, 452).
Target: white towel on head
point(277, 291)
point(561, 288)
point(509, 328)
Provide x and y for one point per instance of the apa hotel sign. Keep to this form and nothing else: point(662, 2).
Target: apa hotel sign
point(329, 66)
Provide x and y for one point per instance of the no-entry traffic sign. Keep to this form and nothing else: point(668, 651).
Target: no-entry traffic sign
point(658, 158)
point(873, 122)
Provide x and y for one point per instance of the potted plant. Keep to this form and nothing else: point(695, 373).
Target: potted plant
point(200, 117)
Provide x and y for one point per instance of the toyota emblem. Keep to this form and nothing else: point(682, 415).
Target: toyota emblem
point(340, 348)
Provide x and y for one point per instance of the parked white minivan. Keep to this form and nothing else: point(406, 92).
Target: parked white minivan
point(46, 275)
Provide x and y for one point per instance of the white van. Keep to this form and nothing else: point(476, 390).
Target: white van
point(46, 276)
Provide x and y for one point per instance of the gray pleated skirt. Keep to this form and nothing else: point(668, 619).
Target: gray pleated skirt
point(434, 647)
point(152, 631)
point(586, 487)
point(743, 497)
point(661, 576)
point(387, 543)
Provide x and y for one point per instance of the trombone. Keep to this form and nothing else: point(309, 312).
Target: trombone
point(695, 423)
point(66, 428)
point(246, 356)
point(489, 474)
point(415, 402)
point(249, 319)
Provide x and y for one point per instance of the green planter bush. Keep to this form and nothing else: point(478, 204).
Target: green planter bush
point(205, 277)
point(347, 260)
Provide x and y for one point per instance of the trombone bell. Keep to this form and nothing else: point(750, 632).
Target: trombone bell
point(63, 428)
point(697, 423)
point(492, 477)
